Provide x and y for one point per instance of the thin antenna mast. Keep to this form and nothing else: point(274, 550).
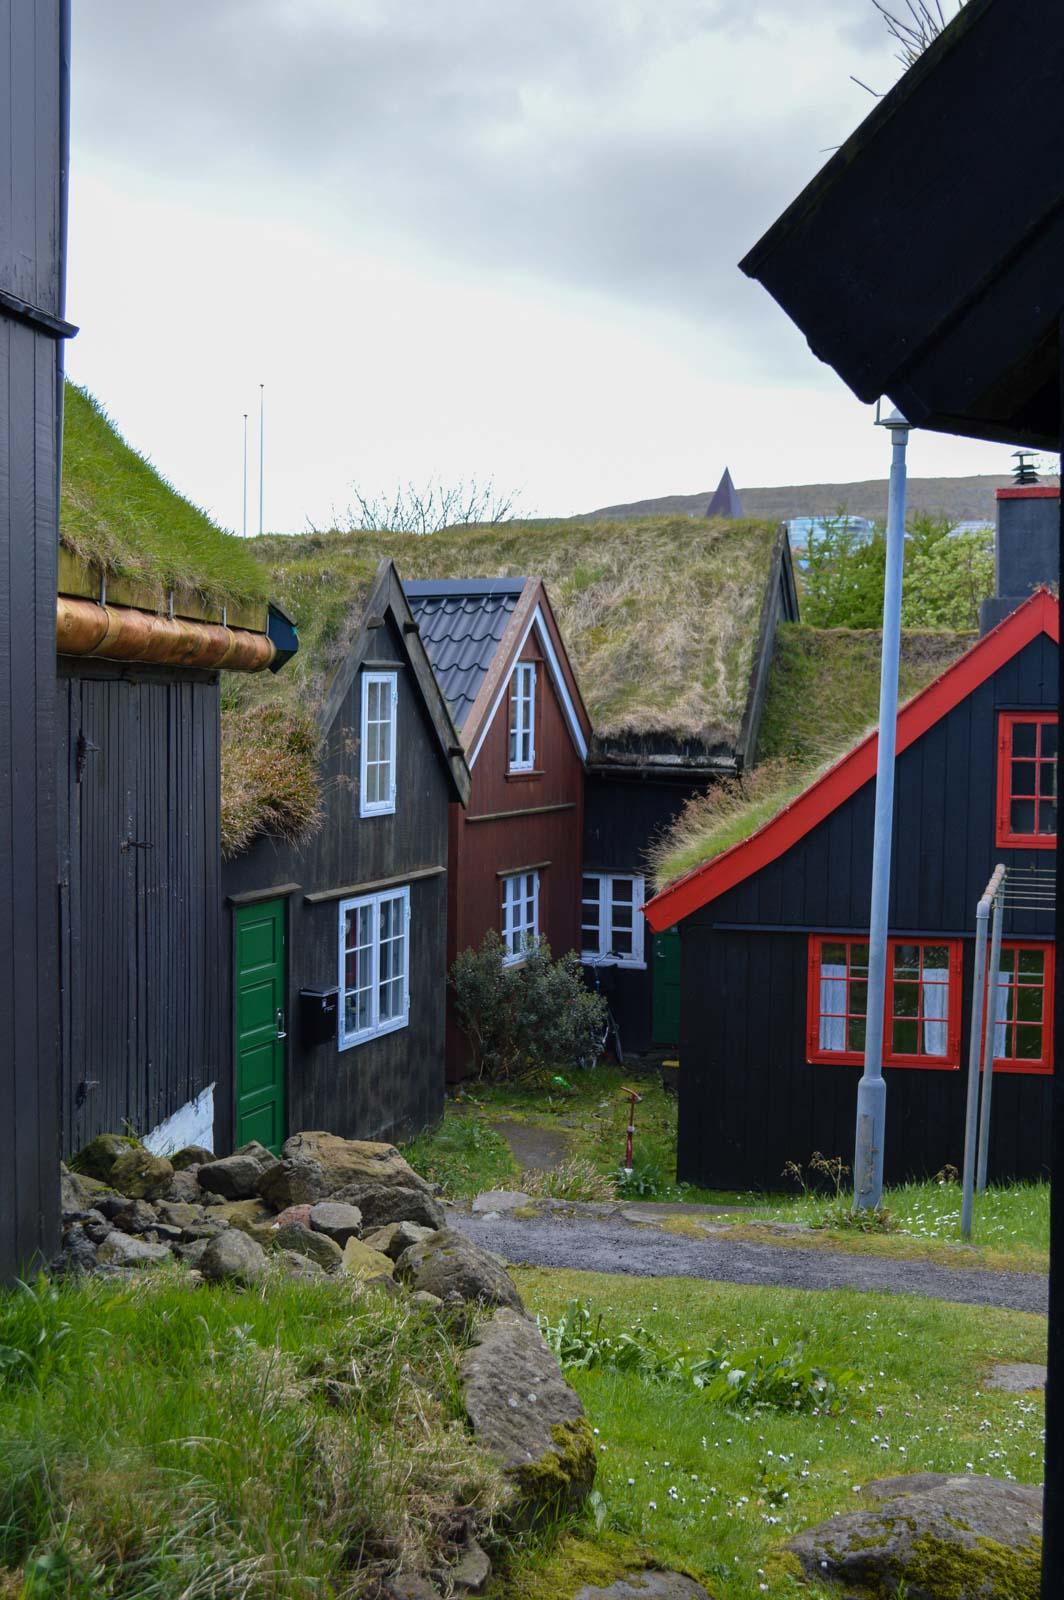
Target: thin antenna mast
point(245, 474)
point(262, 411)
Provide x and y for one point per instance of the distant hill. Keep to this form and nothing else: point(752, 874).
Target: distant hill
point(963, 499)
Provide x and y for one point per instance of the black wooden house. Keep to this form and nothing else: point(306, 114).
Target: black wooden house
point(775, 939)
point(335, 943)
point(34, 83)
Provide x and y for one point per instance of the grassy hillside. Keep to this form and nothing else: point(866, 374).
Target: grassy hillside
point(963, 499)
point(822, 697)
point(121, 515)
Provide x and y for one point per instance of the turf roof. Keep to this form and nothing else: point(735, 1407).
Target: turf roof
point(119, 514)
point(822, 698)
point(660, 615)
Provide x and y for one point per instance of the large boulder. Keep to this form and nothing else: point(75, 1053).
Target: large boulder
point(928, 1535)
point(336, 1220)
point(237, 1176)
point(232, 1257)
point(396, 1237)
point(361, 1261)
point(141, 1176)
point(78, 1193)
point(97, 1158)
point(521, 1408)
point(305, 1242)
point(190, 1155)
point(315, 1166)
point(384, 1203)
point(123, 1250)
point(184, 1187)
point(449, 1263)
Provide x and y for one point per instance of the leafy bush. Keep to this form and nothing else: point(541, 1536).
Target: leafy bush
point(768, 1377)
point(534, 1014)
point(946, 576)
point(647, 1181)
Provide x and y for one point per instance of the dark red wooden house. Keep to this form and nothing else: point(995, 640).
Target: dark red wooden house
point(514, 855)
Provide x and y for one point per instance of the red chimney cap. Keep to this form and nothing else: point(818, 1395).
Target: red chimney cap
point(1029, 491)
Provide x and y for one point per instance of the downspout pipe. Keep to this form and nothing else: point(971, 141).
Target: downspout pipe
point(872, 1090)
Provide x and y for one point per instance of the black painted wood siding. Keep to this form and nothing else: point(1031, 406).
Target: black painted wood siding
point(623, 815)
point(31, 202)
point(143, 1029)
point(394, 1085)
point(749, 1099)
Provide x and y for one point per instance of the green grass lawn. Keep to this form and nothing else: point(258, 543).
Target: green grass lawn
point(715, 1492)
point(165, 1442)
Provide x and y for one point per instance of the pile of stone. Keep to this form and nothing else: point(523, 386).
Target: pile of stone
point(345, 1208)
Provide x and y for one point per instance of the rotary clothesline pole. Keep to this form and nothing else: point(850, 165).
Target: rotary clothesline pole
point(975, 1049)
point(993, 983)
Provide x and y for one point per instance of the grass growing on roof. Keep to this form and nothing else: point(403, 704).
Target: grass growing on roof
point(120, 514)
point(717, 1492)
point(660, 615)
point(822, 698)
point(296, 1441)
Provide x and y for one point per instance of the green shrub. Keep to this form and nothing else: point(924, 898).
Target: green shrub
point(768, 1377)
point(524, 1017)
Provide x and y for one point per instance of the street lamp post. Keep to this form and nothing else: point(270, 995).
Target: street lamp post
point(872, 1091)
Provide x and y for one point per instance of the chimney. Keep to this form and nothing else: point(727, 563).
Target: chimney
point(1026, 543)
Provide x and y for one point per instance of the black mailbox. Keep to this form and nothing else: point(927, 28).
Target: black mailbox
point(317, 1015)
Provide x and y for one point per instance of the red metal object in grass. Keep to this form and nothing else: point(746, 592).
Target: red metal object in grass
point(633, 1097)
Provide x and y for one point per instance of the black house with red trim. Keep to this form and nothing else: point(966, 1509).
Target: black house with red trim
point(774, 938)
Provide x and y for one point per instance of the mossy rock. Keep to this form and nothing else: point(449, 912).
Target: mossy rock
point(97, 1158)
point(932, 1537)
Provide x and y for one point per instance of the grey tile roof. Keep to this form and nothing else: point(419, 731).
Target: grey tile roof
point(461, 623)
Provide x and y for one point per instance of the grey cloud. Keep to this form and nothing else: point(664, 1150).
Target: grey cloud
point(450, 124)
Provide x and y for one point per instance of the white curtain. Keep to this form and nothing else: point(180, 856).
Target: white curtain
point(936, 1010)
point(832, 999)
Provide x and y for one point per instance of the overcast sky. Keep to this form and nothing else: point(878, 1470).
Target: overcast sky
point(461, 238)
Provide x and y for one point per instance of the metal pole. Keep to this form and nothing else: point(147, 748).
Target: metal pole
point(975, 1052)
point(997, 920)
point(872, 1091)
point(245, 528)
point(262, 413)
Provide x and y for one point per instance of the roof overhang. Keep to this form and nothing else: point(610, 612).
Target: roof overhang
point(1040, 614)
point(925, 261)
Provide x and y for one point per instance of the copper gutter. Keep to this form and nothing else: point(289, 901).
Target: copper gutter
point(119, 633)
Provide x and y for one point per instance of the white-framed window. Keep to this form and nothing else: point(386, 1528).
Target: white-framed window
point(523, 717)
point(374, 966)
point(380, 706)
point(520, 914)
point(610, 920)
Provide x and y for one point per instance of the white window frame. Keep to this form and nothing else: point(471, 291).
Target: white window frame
point(601, 955)
point(524, 882)
point(523, 717)
point(376, 1027)
point(378, 808)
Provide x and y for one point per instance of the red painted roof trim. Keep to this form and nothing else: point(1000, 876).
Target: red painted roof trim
point(1039, 614)
point(1030, 491)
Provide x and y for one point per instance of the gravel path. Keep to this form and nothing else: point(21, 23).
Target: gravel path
point(618, 1247)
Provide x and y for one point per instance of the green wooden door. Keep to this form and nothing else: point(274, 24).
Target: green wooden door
point(259, 988)
point(666, 960)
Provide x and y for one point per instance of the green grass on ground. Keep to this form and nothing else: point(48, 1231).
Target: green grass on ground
point(716, 1492)
point(162, 1442)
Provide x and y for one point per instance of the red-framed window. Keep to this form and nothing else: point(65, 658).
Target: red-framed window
point(922, 1011)
point(1021, 1012)
point(1027, 779)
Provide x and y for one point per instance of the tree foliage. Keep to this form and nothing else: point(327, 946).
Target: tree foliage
point(946, 576)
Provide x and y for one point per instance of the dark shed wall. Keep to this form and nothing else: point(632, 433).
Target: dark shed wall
point(142, 1026)
point(392, 1085)
point(623, 814)
point(749, 1099)
point(31, 207)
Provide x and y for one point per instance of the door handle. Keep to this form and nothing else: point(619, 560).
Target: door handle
point(281, 1034)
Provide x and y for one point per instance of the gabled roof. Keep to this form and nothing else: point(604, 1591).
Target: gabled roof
point(462, 624)
point(474, 631)
point(1040, 614)
point(725, 501)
